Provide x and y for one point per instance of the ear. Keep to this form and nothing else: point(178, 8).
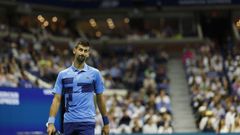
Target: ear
point(74, 51)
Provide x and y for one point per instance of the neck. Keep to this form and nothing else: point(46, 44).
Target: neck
point(78, 65)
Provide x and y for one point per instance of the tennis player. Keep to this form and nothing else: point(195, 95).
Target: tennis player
point(77, 86)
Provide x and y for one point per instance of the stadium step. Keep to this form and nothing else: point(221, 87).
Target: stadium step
point(183, 118)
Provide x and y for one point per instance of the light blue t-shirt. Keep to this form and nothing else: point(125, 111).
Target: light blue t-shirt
point(78, 88)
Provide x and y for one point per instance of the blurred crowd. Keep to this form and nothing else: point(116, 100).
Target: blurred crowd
point(135, 70)
point(147, 106)
point(138, 113)
point(42, 58)
point(19, 55)
point(232, 64)
point(215, 100)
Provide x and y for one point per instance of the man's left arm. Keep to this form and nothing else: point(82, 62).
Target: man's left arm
point(103, 111)
point(99, 88)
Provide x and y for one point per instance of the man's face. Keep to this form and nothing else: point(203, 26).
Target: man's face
point(81, 53)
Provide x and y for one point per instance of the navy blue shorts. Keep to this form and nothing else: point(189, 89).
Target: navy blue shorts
point(79, 128)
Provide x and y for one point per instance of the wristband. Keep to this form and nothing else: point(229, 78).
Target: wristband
point(105, 120)
point(51, 120)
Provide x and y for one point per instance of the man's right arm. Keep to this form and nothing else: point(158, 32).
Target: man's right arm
point(53, 112)
point(55, 105)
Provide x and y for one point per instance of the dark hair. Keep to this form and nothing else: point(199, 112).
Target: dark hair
point(82, 42)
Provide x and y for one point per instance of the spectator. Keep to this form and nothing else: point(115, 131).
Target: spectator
point(150, 127)
point(166, 129)
point(236, 127)
point(222, 127)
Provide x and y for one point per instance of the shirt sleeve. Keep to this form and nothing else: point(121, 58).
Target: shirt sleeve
point(58, 85)
point(98, 85)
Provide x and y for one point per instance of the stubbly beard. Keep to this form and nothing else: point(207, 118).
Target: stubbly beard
point(81, 59)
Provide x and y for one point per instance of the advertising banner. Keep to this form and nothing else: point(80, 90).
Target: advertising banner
point(25, 111)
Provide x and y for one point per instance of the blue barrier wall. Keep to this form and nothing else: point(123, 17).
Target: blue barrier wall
point(24, 110)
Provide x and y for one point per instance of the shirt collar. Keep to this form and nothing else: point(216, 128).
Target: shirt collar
point(85, 68)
